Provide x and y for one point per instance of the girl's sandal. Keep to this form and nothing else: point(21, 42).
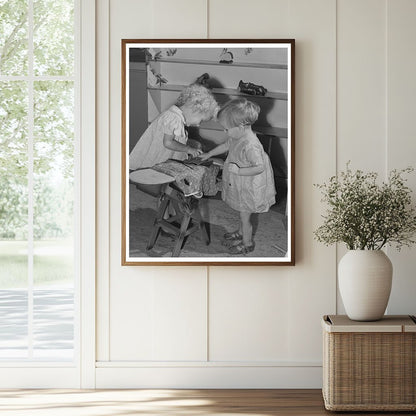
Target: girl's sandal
point(231, 243)
point(241, 249)
point(234, 235)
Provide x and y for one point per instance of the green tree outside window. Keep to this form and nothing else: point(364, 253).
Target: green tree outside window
point(44, 48)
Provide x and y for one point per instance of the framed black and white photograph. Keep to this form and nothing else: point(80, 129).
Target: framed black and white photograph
point(208, 152)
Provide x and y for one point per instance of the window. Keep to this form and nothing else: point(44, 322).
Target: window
point(38, 184)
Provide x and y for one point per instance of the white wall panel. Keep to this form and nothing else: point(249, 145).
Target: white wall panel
point(179, 19)
point(401, 130)
point(248, 314)
point(179, 309)
point(159, 316)
point(131, 19)
point(248, 19)
point(131, 317)
point(361, 84)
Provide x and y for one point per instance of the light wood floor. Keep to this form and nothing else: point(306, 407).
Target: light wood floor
point(165, 402)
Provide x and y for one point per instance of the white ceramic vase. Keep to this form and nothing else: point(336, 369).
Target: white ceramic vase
point(364, 278)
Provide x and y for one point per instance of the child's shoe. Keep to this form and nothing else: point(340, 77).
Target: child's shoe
point(241, 248)
point(230, 243)
point(231, 239)
point(233, 235)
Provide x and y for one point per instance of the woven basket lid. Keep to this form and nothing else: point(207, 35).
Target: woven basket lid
point(389, 323)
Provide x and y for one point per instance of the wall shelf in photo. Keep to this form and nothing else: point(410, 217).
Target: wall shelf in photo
point(224, 91)
point(203, 62)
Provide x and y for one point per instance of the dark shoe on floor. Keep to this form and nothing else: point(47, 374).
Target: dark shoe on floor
point(241, 249)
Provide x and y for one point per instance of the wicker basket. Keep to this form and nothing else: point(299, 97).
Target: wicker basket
point(369, 366)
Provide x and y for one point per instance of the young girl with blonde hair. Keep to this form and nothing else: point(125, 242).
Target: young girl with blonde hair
point(248, 184)
point(166, 137)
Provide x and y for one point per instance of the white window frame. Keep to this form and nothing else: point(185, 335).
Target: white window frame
point(81, 371)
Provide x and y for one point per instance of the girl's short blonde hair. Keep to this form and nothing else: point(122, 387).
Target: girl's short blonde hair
point(200, 99)
point(239, 112)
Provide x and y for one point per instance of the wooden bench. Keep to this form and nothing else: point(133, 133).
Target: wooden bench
point(178, 215)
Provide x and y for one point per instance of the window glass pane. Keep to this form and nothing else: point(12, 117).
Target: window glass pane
point(14, 321)
point(13, 219)
point(53, 319)
point(53, 37)
point(53, 219)
point(13, 37)
point(13, 160)
point(54, 164)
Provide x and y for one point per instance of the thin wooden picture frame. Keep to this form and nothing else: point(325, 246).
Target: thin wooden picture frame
point(170, 217)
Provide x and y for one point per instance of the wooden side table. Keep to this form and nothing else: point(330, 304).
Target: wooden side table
point(369, 366)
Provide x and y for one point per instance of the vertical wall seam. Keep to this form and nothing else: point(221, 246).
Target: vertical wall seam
point(207, 318)
point(386, 86)
point(207, 12)
point(108, 20)
point(386, 96)
point(336, 141)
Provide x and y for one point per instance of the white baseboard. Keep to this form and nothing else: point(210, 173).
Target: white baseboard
point(209, 377)
point(110, 375)
point(39, 378)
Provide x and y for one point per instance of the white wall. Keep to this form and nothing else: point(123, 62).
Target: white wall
point(255, 326)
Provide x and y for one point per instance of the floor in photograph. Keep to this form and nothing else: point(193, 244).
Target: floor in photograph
point(270, 234)
point(167, 402)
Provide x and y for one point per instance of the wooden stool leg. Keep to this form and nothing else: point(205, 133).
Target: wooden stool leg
point(202, 225)
point(156, 224)
point(181, 236)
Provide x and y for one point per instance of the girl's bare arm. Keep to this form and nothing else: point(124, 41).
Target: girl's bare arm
point(219, 150)
point(250, 170)
point(170, 143)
